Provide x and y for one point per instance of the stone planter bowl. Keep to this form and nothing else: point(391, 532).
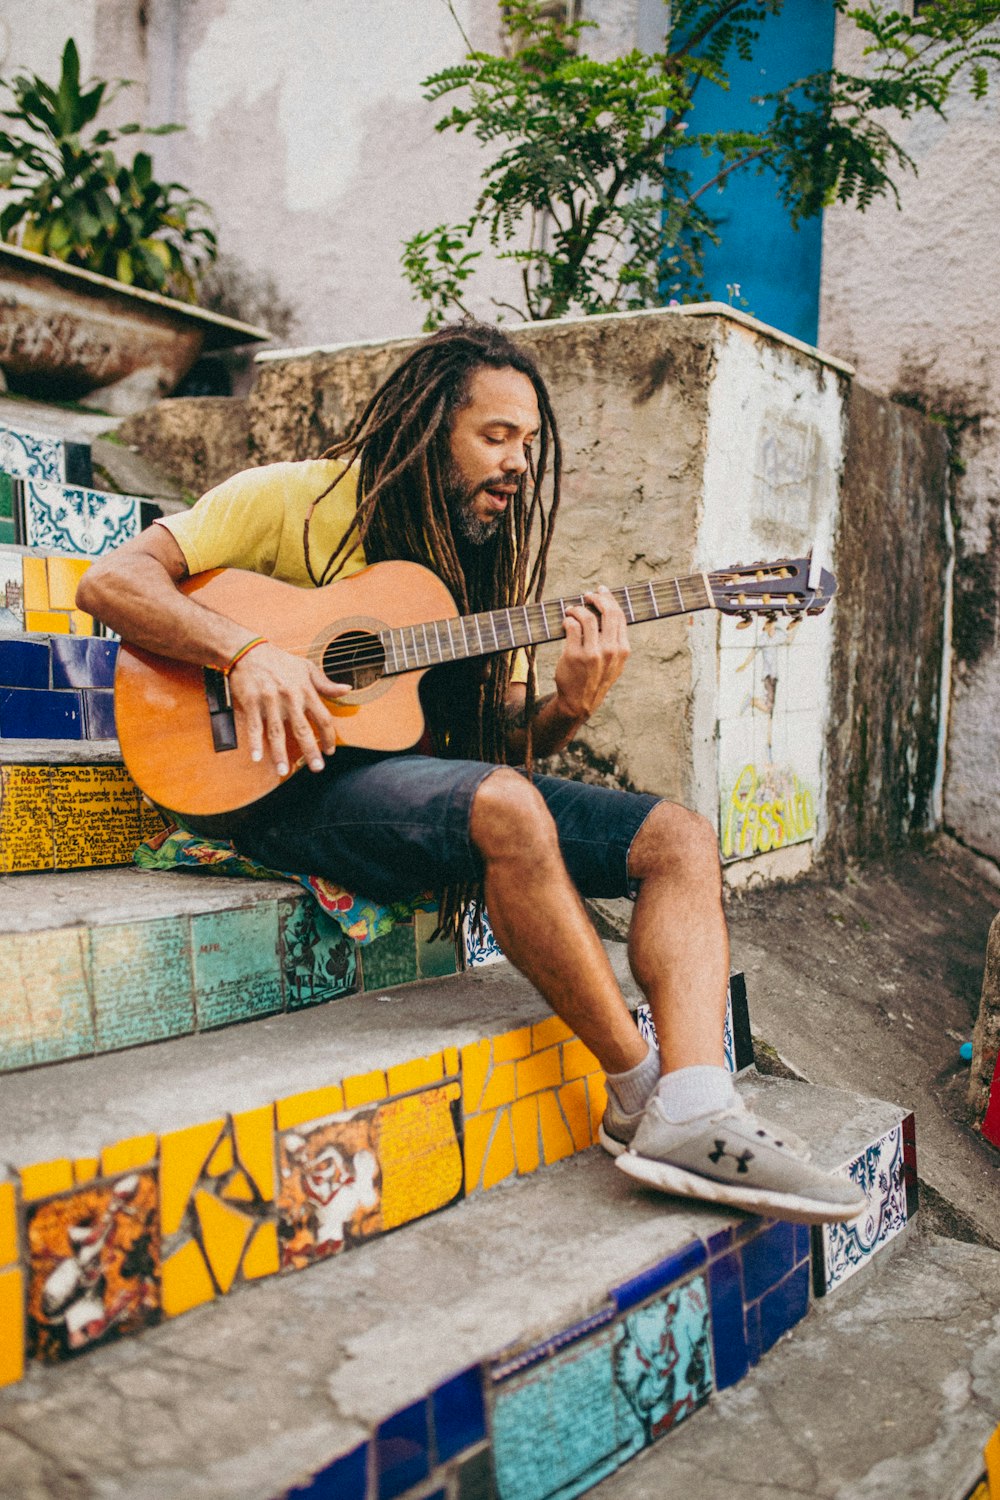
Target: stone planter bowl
point(71, 335)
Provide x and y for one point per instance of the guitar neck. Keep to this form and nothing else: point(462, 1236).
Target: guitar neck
point(409, 648)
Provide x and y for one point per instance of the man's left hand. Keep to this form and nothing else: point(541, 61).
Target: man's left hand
point(594, 655)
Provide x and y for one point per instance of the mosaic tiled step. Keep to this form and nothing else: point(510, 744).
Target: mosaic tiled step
point(522, 1345)
point(56, 687)
point(38, 592)
point(38, 455)
point(70, 518)
point(64, 805)
point(99, 960)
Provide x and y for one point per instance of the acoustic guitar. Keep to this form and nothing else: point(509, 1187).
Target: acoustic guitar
point(379, 630)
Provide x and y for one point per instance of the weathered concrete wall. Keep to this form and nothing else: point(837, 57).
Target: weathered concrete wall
point(198, 440)
point(986, 1036)
point(631, 397)
point(906, 297)
point(892, 551)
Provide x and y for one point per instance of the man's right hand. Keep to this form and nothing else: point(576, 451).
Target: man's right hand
point(276, 694)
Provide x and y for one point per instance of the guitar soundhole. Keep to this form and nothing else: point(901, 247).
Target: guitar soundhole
point(356, 657)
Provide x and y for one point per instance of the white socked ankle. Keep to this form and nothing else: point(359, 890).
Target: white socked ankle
point(687, 1093)
point(633, 1089)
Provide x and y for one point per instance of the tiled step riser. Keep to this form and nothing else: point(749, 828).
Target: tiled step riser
point(38, 594)
point(69, 518)
point(69, 817)
point(34, 455)
point(56, 687)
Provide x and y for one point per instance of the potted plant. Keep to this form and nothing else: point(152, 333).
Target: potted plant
point(101, 261)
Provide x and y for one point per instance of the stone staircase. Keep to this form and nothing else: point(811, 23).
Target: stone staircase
point(538, 1321)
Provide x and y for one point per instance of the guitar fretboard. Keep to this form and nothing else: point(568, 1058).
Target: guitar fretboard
point(409, 648)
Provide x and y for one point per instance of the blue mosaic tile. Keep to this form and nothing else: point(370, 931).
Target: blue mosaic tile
point(502, 1369)
point(99, 716)
point(459, 1413)
point(31, 455)
point(24, 664)
point(752, 1324)
point(719, 1241)
point(77, 521)
point(82, 661)
point(729, 1345)
point(844, 1248)
point(34, 715)
point(474, 1475)
point(344, 1479)
point(663, 1360)
point(802, 1242)
point(767, 1259)
point(561, 1427)
point(401, 1451)
point(663, 1274)
point(79, 468)
point(783, 1307)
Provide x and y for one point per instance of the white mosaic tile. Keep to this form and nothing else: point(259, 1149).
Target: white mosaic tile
point(11, 592)
point(32, 455)
point(846, 1248)
point(69, 518)
point(479, 949)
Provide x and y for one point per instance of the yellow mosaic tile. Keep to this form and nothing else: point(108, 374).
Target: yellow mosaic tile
point(313, 1104)
point(64, 573)
point(95, 816)
point(85, 1168)
point(527, 1150)
point(80, 623)
point(182, 1155)
point(44, 1178)
point(573, 1099)
point(224, 1233)
point(125, 1156)
point(238, 1189)
point(262, 1258)
point(546, 1033)
point(26, 841)
point(36, 583)
point(512, 1044)
point(542, 1070)
point(475, 1071)
point(420, 1156)
point(417, 1074)
point(991, 1454)
point(451, 1061)
point(253, 1130)
point(46, 621)
point(185, 1281)
point(500, 1156)
point(501, 1087)
point(8, 1225)
point(476, 1135)
point(12, 1326)
point(556, 1139)
point(222, 1159)
point(364, 1088)
point(597, 1098)
point(578, 1060)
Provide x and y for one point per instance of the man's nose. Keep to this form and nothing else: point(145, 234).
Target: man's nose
point(515, 460)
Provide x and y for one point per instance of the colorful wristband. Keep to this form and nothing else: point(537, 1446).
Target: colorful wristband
point(258, 640)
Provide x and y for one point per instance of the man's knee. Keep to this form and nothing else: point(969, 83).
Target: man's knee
point(675, 841)
point(509, 816)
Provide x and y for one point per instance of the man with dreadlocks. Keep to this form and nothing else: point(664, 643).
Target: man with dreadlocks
point(448, 466)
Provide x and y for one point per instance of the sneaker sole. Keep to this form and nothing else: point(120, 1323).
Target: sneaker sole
point(614, 1147)
point(793, 1207)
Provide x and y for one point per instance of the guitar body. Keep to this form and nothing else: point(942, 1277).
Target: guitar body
point(163, 707)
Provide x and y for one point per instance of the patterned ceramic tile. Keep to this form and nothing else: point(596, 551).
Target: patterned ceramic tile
point(32, 455)
point(11, 592)
point(318, 960)
point(94, 1266)
point(845, 1248)
point(734, 1034)
point(77, 521)
point(354, 1176)
point(663, 1360)
point(481, 947)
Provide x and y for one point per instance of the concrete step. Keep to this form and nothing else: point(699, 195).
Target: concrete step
point(525, 1343)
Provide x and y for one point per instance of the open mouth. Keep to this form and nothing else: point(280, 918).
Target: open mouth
point(499, 498)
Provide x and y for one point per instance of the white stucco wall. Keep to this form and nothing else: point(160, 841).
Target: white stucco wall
point(910, 297)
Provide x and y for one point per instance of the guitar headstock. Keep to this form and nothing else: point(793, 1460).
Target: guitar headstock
point(772, 589)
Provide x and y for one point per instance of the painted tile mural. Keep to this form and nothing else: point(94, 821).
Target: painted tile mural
point(770, 737)
point(842, 1249)
point(71, 519)
point(94, 1270)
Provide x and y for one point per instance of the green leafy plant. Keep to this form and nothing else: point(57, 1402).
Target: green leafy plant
point(72, 199)
point(590, 186)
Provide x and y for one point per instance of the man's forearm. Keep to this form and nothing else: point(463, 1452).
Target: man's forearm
point(551, 728)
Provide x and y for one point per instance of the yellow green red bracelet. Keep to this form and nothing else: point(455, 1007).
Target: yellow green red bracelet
point(258, 640)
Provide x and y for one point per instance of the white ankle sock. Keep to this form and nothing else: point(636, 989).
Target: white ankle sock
point(632, 1089)
point(689, 1092)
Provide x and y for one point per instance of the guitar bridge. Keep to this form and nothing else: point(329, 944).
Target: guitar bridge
point(220, 710)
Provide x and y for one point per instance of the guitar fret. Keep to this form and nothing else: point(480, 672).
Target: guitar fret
point(628, 606)
point(680, 596)
point(427, 644)
point(416, 648)
point(493, 624)
point(479, 633)
point(652, 600)
point(510, 626)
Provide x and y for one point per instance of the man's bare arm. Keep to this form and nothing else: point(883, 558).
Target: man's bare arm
point(135, 592)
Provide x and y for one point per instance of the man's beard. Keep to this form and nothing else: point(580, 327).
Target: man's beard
point(458, 497)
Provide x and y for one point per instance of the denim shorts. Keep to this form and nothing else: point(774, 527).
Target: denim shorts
point(392, 826)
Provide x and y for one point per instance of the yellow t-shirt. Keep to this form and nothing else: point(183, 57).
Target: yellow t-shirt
point(255, 521)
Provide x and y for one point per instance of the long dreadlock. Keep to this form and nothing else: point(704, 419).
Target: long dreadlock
point(401, 446)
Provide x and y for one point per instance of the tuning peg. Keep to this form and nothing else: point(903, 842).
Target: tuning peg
point(793, 625)
point(743, 622)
